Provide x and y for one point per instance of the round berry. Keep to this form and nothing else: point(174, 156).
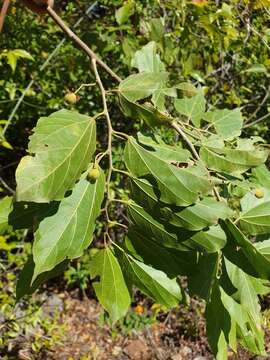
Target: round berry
point(259, 193)
point(93, 174)
point(71, 98)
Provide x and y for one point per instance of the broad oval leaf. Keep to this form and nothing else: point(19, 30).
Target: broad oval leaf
point(201, 214)
point(154, 230)
point(111, 289)
point(171, 261)
point(201, 279)
point(146, 112)
point(246, 293)
point(255, 218)
point(152, 282)
point(210, 240)
point(227, 123)
point(220, 328)
point(231, 160)
point(24, 284)
point(147, 59)
point(167, 235)
point(140, 86)
point(193, 108)
point(248, 328)
point(261, 175)
point(68, 232)
point(244, 254)
point(194, 217)
point(177, 186)
point(28, 215)
point(165, 152)
point(61, 149)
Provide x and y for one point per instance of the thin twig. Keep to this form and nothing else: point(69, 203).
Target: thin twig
point(82, 45)
point(3, 13)
point(6, 186)
point(260, 105)
point(186, 139)
point(43, 66)
point(264, 117)
point(110, 132)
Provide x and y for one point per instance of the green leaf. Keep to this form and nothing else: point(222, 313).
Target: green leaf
point(5, 208)
point(193, 108)
point(249, 331)
point(177, 186)
point(264, 248)
point(244, 254)
point(150, 115)
point(154, 230)
point(165, 152)
point(63, 145)
point(27, 215)
point(246, 293)
point(210, 240)
point(255, 219)
point(140, 86)
point(152, 282)
point(262, 175)
point(123, 13)
point(171, 261)
point(194, 217)
point(147, 60)
point(169, 236)
point(201, 280)
point(227, 123)
point(201, 214)
point(67, 233)
point(11, 60)
point(13, 55)
point(256, 68)
point(24, 286)
point(157, 29)
point(219, 326)
point(110, 287)
point(233, 161)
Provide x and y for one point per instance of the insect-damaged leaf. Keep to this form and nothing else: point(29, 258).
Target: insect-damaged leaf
point(229, 159)
point(110, 288)
point(60, 150)
point(177, 186)
point(68, 232)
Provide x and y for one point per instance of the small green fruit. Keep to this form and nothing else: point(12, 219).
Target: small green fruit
point(71, 98)
point(259, 193)
point(93, 174)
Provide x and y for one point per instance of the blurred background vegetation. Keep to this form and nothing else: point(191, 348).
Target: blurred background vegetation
point(222, 46)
